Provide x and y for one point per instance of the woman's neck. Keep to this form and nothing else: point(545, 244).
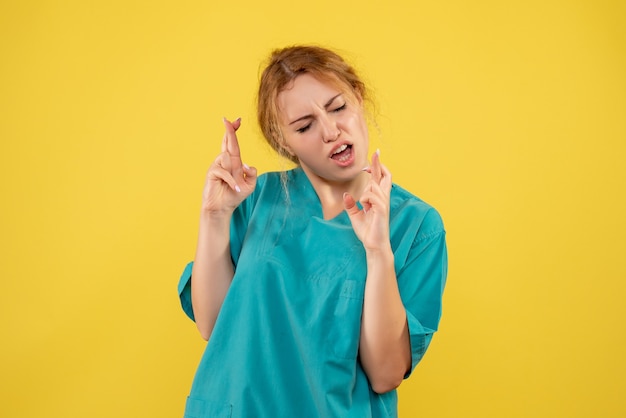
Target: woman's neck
point(331, 194)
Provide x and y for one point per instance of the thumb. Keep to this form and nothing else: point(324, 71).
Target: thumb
point(350, 205)
point(250, 173)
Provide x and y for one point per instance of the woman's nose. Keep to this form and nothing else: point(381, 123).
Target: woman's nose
point(330, 132)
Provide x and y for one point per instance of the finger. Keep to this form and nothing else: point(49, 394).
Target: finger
point(349, 205)
point(375, 167)
point(221, 174)
point(366, 199)
point(237, 123)
point(374, 200)
point(375, 189)
point(232, 145)
point(224, 143)
point(373, 196)
point(386, 181)
point(366, 205)
point(223, 161)
point(250, 175)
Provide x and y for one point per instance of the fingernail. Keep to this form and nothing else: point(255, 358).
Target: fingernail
point(238, 120)
point(246, 166)
point(365, 168)
point(237, 188)
point(378, 151)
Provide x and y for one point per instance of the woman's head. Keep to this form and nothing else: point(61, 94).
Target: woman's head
point(283, 68)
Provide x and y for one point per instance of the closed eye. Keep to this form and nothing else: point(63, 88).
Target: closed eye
point(308, 126)
point(340, 108)
point(303, 129)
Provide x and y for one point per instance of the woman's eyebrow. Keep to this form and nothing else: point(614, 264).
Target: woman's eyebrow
point(328, 103)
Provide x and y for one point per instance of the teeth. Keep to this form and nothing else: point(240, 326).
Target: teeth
point(340, 149)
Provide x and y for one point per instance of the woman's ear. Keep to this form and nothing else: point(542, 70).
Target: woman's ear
point(288, 150)
point(285, 149)
point(359, 98)
point(282, 146)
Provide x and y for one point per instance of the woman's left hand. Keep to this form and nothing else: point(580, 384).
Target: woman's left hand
point(371, 224)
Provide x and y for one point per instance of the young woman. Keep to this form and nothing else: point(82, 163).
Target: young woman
point(319, 288)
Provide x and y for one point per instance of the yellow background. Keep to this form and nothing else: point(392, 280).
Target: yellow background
point(509, 117)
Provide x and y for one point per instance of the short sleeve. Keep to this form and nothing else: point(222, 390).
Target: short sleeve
point(238, 227)
point(184, 291)
point(421, 281)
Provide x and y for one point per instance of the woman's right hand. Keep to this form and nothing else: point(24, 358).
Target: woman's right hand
point(228, 181)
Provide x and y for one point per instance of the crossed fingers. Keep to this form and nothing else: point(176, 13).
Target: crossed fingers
point(380, 183)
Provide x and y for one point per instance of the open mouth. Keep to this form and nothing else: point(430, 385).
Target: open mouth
point(342, 154)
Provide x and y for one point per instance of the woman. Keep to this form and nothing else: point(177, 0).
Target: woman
point(318, 289)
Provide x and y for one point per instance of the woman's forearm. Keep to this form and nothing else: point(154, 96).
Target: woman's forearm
point(385, 349)
point(212, 270)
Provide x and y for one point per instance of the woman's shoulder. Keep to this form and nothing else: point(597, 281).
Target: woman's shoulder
point(405, 206)
point(282, 179)
point(270, 185)
point(267, 179)
point(274, 176)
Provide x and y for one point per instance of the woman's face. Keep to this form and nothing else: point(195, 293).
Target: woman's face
point(324, 128)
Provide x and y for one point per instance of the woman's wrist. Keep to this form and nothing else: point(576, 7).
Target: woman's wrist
point(215, 219)
point(379, 255)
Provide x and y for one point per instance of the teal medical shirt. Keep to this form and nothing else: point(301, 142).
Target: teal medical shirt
point(285, 343)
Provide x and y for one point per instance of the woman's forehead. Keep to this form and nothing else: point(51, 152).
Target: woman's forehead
point(307, 89)
point(304, 94)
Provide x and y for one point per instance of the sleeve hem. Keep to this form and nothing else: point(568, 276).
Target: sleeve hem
point(184, 291)
point(420, 338)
